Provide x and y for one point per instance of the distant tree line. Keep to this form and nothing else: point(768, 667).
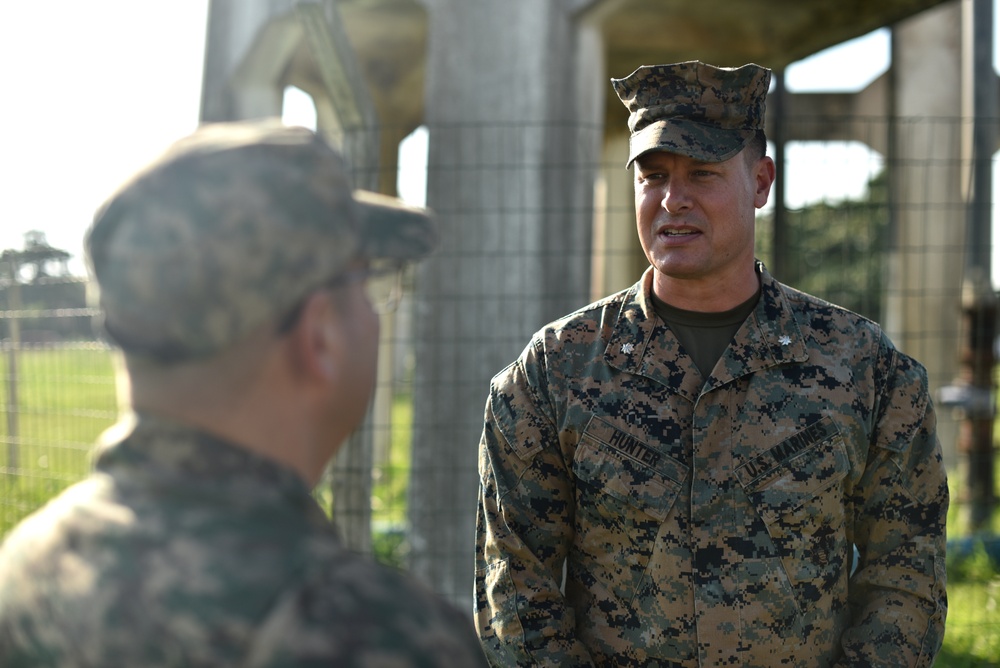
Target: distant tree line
point(38, 292)
point(837, 250)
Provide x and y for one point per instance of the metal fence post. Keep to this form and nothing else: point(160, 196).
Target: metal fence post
point(13, 345)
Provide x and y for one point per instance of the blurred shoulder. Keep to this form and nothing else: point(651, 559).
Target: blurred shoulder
point(360, 613)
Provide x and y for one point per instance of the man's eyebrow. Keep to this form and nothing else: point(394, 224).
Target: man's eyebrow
point(647, 164)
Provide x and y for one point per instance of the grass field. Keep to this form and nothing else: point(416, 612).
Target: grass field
point(65, 397)
point(972, 635)
point(55, 401)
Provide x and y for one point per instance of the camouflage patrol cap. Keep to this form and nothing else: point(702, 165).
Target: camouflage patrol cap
point(704, 112)
point(231, 228)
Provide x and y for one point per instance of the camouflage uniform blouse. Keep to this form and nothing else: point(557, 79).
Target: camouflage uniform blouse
point(711, 523)
point(182, 550)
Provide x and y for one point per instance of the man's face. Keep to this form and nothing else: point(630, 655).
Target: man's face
point(696, 219)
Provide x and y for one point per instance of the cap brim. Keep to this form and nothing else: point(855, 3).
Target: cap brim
point(393, 230)
point(695, 140)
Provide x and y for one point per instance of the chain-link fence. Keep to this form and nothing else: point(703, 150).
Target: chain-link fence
point(57, 393)
point(861, 231)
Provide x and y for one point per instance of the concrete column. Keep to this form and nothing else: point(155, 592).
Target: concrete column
point(926, 163)
point(514, 105)
point(255, 48)
point(618, 258)
point(247, 44)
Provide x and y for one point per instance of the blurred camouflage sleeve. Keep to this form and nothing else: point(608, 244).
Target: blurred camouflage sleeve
point(897, 594)
point(524, 527)
point(362, 616)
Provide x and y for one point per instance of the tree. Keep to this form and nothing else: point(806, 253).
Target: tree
point(39, 306)
point(39, 258)
point(836, 251)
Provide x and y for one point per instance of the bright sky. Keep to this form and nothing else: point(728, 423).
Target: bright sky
point(849, 165)
point(102, 86)
point(92, 90)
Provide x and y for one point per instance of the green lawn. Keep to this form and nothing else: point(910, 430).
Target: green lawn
point(972, 634)
point(55, 402)
point(65, 397)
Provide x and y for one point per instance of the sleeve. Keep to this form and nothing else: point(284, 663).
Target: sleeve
point(524, 528)
point(897, 593)
point(351, 612)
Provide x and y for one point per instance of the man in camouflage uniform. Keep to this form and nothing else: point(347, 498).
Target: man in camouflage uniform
point(232, 273)
point(679, 474)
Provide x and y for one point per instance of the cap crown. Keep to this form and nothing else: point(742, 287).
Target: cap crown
point(231, 227)
point(694, 108)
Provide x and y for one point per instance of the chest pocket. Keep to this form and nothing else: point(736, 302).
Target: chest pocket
point(624, 493)
point(796, 490)
point(791, 474)
point(618, 465)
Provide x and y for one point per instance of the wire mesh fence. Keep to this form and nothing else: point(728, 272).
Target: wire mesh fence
point(57, 394)
point(862, 231)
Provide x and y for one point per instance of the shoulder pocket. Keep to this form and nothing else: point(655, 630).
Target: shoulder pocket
point(518, 418)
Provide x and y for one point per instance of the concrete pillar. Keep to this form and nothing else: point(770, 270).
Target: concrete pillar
point(926, 163)
point(345, 112)
point(247, 45)
point(514, 106)
point(618, 259)
point(254, 49)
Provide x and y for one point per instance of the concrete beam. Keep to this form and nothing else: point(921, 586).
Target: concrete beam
point(231, 90)
point(861, 116)
point(336, 63)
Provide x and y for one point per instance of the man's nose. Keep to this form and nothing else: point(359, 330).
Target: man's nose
point(676, 196)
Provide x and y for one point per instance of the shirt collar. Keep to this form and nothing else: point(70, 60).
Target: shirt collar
point(149, 449)
point(641, 344)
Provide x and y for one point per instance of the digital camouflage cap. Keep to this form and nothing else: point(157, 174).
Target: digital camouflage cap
point(704, 112)
point(229, 229)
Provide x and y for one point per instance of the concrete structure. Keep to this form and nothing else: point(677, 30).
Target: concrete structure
point(527, 144)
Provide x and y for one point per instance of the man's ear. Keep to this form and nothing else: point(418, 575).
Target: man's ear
point(315, 342)
point(764, 176)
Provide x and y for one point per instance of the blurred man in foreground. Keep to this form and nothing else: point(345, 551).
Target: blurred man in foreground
point(232, 273)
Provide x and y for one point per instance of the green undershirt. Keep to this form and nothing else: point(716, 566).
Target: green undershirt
point(705, 336)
